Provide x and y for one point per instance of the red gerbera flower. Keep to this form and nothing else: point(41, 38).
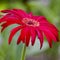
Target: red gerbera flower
point(30, 26)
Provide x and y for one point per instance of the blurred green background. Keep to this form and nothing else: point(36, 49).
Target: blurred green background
point(48, 8)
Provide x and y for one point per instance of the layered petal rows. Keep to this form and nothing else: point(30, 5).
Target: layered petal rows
point(30, 27)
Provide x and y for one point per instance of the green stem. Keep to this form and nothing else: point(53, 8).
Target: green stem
point(23, 53)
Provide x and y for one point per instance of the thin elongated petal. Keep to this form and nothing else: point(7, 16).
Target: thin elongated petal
point(48, 36)
point(21, 37)
point(5, 11)
point(20, 12)
point(17, 12)
point(52, 29)
point(8, 23)
point(5, 25)
point(8, 15)
point(33, 35)
point(27, 37)
point(40, 36)
point(49, 25)
point(41, 19)
point(11, 13)
point(13, 31)
point(10, 18)
point(54, 37)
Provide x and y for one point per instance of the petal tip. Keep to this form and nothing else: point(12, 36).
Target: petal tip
point(9, 42)
point(17, 43)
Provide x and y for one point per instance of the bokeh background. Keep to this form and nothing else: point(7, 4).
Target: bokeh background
point(48, 8)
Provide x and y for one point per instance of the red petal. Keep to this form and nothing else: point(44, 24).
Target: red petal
point(41, 19)
point(35, 17)
point(9, 18)
point(21, 37)
point(13, 31)
point(53, 33)
point(27, 37)
point(11, 13)
point(20, 12)
point(30, 15)
point(33, 35)
point(8, 23)
point(53, 30)
point(49, 25)
point(5, 11)
point(48, 38)
point(16, 12)
point(40, 36)
point(5, 25)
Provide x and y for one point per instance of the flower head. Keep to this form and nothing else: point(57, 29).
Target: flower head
point(30, 26)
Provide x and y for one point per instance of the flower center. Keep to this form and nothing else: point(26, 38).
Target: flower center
point(30, 22)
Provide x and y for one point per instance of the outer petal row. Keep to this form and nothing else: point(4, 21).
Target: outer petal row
point(16, 12)
point(13, 31)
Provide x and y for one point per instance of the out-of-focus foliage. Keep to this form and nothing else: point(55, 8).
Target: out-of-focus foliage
point(48, 8)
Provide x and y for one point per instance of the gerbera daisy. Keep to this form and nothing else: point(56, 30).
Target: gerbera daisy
point(30, 27)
